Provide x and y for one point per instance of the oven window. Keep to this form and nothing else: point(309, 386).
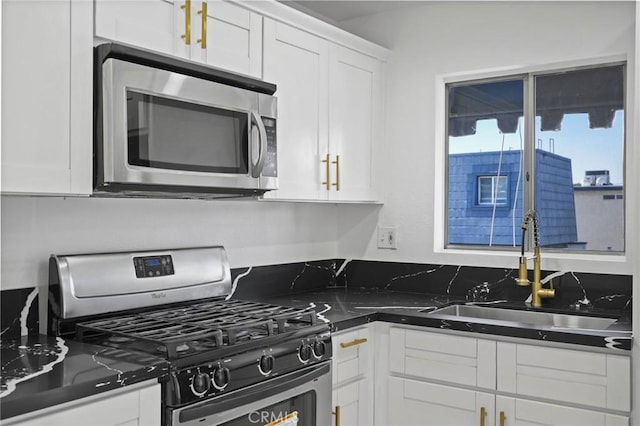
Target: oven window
point(170, 134)
point(301, 407)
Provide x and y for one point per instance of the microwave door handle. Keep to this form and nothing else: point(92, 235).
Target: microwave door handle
point(256, 169)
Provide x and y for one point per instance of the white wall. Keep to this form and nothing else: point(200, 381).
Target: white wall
point(253, 232)
point(433, 40)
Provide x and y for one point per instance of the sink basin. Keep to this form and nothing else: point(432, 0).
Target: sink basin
point(475, 313)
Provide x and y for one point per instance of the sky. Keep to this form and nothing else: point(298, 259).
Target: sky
point(589, 149)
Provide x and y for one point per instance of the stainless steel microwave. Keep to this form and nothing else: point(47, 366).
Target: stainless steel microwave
point(166, 127)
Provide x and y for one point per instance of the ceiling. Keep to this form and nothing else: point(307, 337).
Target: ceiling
point(335, 11)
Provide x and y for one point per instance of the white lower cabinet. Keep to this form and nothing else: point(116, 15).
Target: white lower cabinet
point(135, 405)
point(414, 402)
point(523, 412)
point(353, 377)
point(442, 379)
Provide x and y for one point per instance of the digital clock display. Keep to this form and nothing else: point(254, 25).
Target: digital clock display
point(153, 266)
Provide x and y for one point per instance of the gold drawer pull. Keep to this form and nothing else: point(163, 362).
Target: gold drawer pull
point(483, 414)
point(354, 342)
point(337, 414)
point(503, 417)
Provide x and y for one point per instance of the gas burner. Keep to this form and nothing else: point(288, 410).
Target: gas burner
point(213, 346)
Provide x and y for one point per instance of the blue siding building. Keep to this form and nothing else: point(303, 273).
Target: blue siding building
point(477, 216)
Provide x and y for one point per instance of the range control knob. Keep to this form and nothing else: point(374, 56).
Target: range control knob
point(319, 349)
point(221, 378)
point(265, 365)
point(200, 384)
point(304, 353)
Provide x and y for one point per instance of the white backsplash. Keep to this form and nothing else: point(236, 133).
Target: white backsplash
point(253, 232)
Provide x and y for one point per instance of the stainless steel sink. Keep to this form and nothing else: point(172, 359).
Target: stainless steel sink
point(475, 313)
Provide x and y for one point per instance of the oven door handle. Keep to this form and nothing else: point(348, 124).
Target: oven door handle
point(255, 393)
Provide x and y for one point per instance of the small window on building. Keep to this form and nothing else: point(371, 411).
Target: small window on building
point(492, 190)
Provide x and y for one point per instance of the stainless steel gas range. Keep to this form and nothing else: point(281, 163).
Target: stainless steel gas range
point(231, 362)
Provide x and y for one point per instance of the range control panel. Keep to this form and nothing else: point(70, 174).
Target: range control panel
point(153, 266)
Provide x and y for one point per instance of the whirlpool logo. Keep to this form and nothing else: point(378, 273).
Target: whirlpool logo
point(159, 295)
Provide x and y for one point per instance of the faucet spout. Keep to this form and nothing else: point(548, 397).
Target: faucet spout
point(537, 292)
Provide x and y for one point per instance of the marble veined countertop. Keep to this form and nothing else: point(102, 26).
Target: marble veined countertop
point(41, 371)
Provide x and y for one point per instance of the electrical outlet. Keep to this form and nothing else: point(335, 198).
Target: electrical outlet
point(387, 237)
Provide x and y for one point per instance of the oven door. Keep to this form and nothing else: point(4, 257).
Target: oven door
point(303, 397)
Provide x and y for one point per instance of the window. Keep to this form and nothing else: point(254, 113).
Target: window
point(492, 190)
point(552, 141)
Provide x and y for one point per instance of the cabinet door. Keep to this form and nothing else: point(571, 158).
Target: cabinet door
point(135, 405)
point(151, 24)
point(522, 412)
point(46, 97)
point(354, 402)
point(233, 37)
point(564, 375)
point(412, 402)
point(355, 102)
point(297, 63)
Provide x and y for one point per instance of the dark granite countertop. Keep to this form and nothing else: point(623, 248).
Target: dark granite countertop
point(41, 371)
point(349, 308)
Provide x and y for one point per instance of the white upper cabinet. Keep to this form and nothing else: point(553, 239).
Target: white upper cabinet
point(355, 123)
point(147, 24)
point(330, 121)
point(46, 97)
point(297, 62)
point(218, 33)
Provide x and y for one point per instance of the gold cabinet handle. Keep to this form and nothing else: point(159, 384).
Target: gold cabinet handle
point(337, 414)
point(502, 418)
point(483, 414)
point(187, 22)
point(327, 165)
point(337, 163)
point(203, 30)
point(354, 342)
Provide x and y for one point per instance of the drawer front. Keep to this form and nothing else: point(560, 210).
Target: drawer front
point(442, 357)
point(565, 375)
point(351, 354)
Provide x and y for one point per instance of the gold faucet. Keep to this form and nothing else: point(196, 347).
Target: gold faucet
point(537, 292)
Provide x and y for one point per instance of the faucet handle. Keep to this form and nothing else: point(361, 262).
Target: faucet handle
point(522, 279)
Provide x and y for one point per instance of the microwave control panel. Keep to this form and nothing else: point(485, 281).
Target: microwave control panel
point(270, 167)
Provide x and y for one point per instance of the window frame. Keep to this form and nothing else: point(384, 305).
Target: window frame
point(494, 191)
point(528, 76)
